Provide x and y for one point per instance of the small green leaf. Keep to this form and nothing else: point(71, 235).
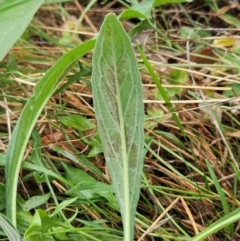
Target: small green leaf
point(158, 115)
point(76, 176)
point(143, 9)
point(118, 103)
point(86, 188)
point(36, 201)
point(41, 224)
point(177, 77)
point(78, 122)
point(132, 13)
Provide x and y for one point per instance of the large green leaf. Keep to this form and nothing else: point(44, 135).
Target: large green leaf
point(15, 15)
point(118, 103)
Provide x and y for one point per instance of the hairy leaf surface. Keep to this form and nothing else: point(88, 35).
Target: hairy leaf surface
point(118, 103)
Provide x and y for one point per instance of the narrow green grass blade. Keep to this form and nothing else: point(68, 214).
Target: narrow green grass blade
point(118, 103)
point(220, 192)
point(219, 189)
point(218, 225)
point(22, 131)
point(161, 90)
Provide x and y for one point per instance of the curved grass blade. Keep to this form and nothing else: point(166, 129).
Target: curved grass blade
point(223, 222)
point(118, 103)
point(22, 131)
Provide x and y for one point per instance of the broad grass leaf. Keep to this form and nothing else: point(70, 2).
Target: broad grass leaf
point(15, 15)
point(118, 103)
point(9, 229)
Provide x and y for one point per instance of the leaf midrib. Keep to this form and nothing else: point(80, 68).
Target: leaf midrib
point(124, 155)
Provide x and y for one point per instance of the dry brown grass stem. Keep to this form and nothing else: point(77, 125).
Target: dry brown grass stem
point(155, 224)
point(90, 34)
point(190, 87)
